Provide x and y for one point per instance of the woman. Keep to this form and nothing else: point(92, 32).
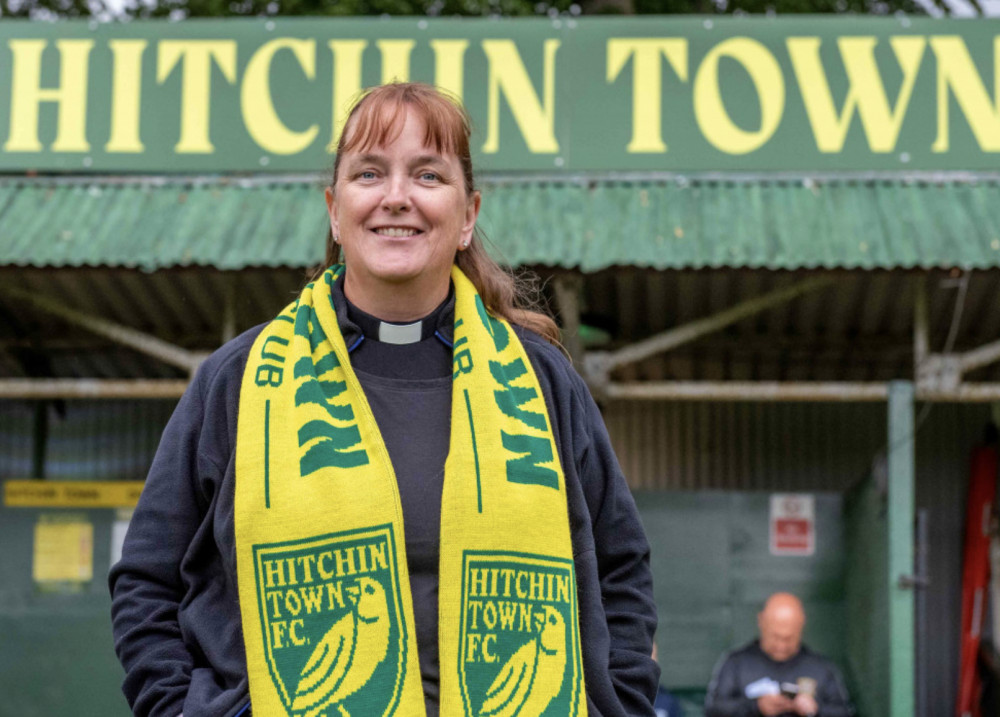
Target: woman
point(397, 497)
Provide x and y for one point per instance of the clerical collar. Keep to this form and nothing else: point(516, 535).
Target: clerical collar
point(437, 323)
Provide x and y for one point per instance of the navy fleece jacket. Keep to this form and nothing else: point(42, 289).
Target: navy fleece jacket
point(175, 610)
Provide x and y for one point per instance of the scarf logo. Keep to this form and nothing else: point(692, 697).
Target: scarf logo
point(519, 648)
point(330, 611)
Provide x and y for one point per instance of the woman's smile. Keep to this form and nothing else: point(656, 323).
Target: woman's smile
point(396, 232)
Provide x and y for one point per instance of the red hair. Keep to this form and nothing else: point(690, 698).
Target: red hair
point(376, 120)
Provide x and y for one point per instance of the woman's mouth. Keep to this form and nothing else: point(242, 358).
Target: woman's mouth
point(396, 232)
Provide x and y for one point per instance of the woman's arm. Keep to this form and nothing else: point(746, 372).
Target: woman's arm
point(623, 566)
point(146, 584)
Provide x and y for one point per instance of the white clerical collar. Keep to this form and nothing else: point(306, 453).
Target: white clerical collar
point(400, 333)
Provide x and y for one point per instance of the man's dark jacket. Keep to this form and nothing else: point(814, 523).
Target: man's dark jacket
point(750, 667)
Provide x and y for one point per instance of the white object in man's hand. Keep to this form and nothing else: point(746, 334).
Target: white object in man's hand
point(805, 705)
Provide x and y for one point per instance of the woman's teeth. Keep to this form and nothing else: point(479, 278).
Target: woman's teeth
point(395, 232)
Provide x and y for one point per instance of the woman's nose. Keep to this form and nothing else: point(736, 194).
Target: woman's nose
point(397, 194)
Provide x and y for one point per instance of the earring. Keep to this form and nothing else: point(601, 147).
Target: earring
point(336, 239)
point(465, 244)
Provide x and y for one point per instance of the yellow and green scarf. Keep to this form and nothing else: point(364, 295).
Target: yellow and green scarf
point(323, 583)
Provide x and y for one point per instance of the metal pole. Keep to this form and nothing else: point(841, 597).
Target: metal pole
point(923, 649)
point(900, 526)
point(747, 391)
point(71, 388)
point(817, 391)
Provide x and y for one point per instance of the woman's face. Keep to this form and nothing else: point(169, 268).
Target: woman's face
point(401, 213)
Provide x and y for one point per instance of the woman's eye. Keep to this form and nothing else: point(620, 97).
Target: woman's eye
point(429, 176)
point(367, 174)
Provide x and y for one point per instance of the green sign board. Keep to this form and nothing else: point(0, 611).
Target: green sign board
point(679, 94)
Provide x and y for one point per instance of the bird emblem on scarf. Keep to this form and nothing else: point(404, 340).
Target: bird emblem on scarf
point(533, 675)
point(346, 658)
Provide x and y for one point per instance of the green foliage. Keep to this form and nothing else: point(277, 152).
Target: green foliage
point(475, 8)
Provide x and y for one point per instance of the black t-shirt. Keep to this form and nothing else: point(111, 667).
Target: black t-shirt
point(408, 387)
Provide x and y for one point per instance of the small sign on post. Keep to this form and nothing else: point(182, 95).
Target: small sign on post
point(793, 524)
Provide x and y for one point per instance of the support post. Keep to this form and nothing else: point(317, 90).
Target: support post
point(567, 291)
point(900, 523)
point(921, 340)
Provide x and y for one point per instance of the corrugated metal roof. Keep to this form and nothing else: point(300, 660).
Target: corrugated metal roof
point(586, 225)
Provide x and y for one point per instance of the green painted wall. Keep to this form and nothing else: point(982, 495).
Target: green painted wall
point(56, 652)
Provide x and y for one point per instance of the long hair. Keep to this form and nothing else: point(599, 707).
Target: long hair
point(376, 120)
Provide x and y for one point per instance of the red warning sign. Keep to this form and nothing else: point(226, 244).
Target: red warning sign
point(793, 524)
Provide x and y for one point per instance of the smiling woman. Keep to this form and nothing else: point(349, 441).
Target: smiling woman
point(397, 497)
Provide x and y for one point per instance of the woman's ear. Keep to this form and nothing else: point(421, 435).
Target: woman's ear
point(331, 209)
point(471, 215)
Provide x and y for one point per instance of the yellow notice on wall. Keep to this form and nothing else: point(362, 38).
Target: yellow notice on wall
point(71, 494)
point(64, 550)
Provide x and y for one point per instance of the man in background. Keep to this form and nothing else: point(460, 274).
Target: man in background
point(776, 675)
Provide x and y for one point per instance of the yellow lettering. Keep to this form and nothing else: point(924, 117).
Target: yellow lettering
point(395, 60)
point(647, 84)
point(346, 82)
point(537, 589)
point(196, 85)
point(293, 632)
point(508, 75)
point(126, 95)
point(277, 630)
point(957, 71)
point(274, 573)
point(449, 62)
point(487, 655)
point(378, 556)
point(522, 592)
point(259, 114)
point(562, 588)
point(478, 582)
point(713, 120)
point(866, 93)
point(335, 594)
point(27, 94)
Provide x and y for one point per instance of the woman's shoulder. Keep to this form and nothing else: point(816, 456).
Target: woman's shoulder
point(551, 363)
point(227, 362)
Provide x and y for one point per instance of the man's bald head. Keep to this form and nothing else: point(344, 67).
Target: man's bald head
point(780, 624)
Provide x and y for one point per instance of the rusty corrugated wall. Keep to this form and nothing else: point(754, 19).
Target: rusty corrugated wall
point(87, 440)
point(744, 446)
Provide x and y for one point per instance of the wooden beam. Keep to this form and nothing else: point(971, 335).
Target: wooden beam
point(982, 356)
point(124, 335)
point(680, 335)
